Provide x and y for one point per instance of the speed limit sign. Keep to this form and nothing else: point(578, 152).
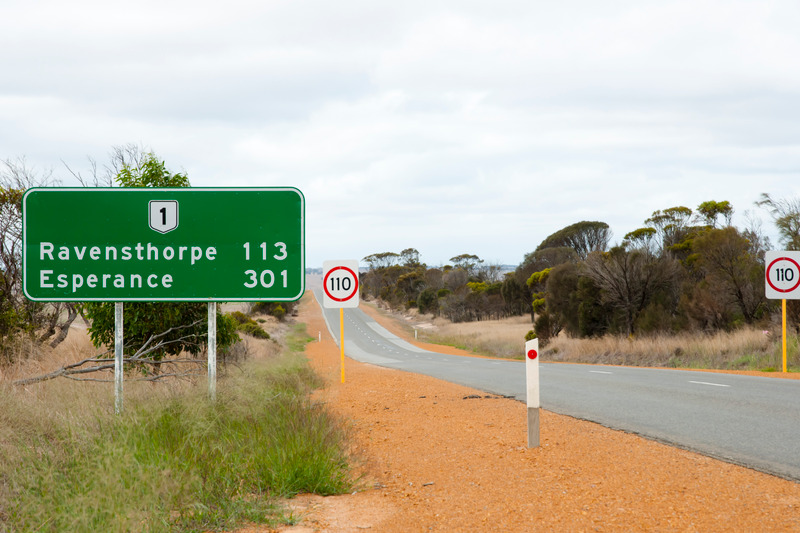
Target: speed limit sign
point(782, 275)
point(340, 284)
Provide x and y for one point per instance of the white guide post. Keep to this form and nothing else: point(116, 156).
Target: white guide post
point(212, 350)
point(532, 387)
point(118, 354)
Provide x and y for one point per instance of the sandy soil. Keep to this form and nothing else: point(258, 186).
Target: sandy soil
point(438, 459)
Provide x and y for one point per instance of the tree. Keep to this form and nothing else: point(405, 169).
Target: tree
point(150, 173)
point(410, 257)
point(467, 263)
point(143, 320)
point(583, 237)
point(786, 215)
point(708, 212)
point(560, 295)
point(546, 324)
point(428, 301)
point(576, 301)
point(734, 272)
point(642, 239)
point(20, 317)
point(671, 225)
point(630, 279)
point(514, 296)
point(381, 260)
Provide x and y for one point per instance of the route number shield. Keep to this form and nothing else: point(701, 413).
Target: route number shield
point(163, 215)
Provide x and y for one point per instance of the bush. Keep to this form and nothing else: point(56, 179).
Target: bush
point(240, 317)
point(141, 320)
point(428, 301)
point(273, 308)
point(247, 325)
point(253, 329)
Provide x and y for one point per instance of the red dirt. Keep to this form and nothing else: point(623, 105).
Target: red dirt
point(435, 461)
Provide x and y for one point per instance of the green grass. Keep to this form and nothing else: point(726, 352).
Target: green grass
point(177, 462)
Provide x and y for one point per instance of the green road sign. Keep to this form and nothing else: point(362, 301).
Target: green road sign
point(143, 244)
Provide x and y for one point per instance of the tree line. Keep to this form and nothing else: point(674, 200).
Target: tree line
point(683, 270)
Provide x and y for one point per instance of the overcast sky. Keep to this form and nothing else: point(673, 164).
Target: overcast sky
point(447, 126)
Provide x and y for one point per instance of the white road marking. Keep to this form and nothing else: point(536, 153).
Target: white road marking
point(600, 372)
point(707, 383)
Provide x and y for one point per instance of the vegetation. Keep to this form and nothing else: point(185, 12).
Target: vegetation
point(683, 271)
point(23, 322)
point(277, 309)
point(246, 324)
point(173, 461)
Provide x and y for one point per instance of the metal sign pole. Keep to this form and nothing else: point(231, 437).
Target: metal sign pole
point(212, 350)
point(341, 337)
point(118, 354)
point(783, 321)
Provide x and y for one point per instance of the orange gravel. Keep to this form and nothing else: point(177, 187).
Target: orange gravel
point(435, 461)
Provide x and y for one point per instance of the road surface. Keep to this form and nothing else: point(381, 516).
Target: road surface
point(746, 420)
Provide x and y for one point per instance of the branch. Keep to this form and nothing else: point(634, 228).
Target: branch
point(70, 370)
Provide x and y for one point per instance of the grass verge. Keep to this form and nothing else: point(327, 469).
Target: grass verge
point(175, 462)
point(746, 348)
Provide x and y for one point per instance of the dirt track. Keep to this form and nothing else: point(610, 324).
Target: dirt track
point(436, 461)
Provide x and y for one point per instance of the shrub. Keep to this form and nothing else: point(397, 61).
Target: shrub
point(273, 308)
point(240, 317)
point(247, 325)
point(253, 329)
point(141, 320)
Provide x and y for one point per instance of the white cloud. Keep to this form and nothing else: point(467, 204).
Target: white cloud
point(451, 127)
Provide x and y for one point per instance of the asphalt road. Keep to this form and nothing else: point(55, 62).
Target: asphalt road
point(750, 421)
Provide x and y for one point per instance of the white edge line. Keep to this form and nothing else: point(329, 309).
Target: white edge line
point(708, 383)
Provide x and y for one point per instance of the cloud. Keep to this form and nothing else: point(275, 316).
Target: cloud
point(451, 127)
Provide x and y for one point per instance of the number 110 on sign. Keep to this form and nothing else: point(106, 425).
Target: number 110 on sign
point(340, 284)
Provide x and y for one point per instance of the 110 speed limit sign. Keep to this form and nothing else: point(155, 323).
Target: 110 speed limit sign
point(782, 275)
point(340, 284)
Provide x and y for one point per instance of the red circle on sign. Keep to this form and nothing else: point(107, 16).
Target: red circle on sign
point(790, 289)
point(355, 284)
point(532, 354)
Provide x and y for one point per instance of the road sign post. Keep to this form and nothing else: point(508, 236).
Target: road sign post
point(782, 282)
point(340, 290)
point(168, 244)
point(532, 389)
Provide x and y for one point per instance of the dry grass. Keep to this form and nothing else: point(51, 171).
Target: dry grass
point(499, 338)
point(496, 338)
point(743, 349)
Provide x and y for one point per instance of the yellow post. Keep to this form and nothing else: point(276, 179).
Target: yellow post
point(783, 309)
point(341, 338)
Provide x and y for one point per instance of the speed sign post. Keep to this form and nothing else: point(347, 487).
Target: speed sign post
point(340, 288)
point(782, 282)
